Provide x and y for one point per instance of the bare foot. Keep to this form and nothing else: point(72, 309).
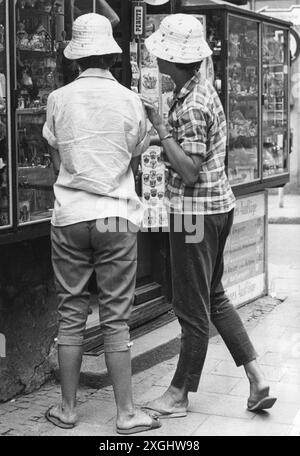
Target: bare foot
point(168, 403)
point(64, 415)
point(258, 390)
point(136, 419)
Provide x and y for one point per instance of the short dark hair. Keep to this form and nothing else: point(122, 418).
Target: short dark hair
point(195, 66)
point(97, 61)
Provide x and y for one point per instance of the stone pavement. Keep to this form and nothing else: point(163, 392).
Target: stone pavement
point(218, 408)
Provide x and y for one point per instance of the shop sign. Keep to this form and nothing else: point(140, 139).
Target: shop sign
point(244, 257)
point(247, 291)
point(139, 18)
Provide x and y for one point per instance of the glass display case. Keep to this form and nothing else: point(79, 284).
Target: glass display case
point(251, 75)
point(42, 28)
point(275, 101)
point(243, 100)
point(5, 177)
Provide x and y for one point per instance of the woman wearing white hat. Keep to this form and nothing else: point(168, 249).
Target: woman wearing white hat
point(97, 129)
point(195, 146)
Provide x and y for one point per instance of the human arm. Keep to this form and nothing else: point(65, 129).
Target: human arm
point(135, 164)
point(56, 161)
point(185, 158)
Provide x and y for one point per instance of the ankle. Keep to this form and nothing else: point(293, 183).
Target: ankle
point(178, 395)
point(254, 372)
point(126, 413)
point(68, 407)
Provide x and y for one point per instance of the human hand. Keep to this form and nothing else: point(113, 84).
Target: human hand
point(152, 112)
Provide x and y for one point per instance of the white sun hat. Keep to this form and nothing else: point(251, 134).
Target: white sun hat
point(156, 2)
point(92, 35)
point(179, 39)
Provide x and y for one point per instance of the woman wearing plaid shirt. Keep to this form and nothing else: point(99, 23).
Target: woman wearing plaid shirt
point(197, 190)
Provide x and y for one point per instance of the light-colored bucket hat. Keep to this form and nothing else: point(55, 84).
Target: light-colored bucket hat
point(179, 39)
point(156, 2)
point(92, 35)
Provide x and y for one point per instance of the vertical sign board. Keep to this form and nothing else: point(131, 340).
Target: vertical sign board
point(245, 254)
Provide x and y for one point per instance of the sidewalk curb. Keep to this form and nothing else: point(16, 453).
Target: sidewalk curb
point(284, 220)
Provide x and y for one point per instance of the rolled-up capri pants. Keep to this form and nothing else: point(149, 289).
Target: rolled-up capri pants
point(78, 250)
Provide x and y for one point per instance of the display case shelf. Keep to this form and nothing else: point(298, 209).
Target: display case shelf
point(31, 53)
point(31, 111)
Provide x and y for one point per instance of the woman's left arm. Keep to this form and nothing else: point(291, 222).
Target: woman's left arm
point(187, 166)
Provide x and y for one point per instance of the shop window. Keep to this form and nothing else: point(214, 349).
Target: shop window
point(275, 102)
point(243, 100)
point(43, 28)
point(4, 155)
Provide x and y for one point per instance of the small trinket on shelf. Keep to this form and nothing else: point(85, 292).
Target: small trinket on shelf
point(22, 36)
point(234, 46)
point(47, 6)
point(2, 37)
point(21, 103)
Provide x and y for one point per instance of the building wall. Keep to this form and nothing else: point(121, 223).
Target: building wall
point(28, 318)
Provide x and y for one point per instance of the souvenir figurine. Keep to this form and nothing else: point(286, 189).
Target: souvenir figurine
point(26, 77)
point(22, 36)
point(47, 6)
point(2, 37)
point(234, 45)
point(41, 40)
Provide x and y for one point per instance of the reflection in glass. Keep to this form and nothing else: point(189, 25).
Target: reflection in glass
point(243, 89)
point(275, 112)
point(38, 30)
point(4, 160)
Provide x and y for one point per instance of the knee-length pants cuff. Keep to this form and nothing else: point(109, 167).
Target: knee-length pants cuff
point(79, 250)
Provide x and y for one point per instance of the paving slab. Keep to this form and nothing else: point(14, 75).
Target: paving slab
point(282, 412)
point(217, 404)
point(224, 426)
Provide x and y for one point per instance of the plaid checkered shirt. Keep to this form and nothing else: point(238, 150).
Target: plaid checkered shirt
point(199, 126)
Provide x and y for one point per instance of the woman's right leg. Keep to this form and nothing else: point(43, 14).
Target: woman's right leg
point(192, 265)
point(71, 258)
point(230, 326)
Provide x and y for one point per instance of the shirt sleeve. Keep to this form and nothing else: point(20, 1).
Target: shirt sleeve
point(143, 141)
point(192, 130)
point(49, 126)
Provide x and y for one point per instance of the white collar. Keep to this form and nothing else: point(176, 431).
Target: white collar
point(97, 73)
